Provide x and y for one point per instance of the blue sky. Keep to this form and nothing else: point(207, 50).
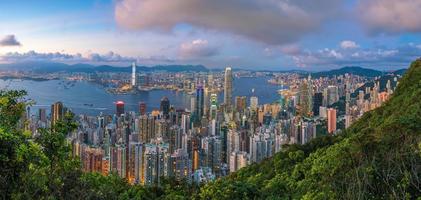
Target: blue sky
point(254, 34)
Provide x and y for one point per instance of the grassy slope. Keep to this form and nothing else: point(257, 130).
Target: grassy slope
point(378, 157)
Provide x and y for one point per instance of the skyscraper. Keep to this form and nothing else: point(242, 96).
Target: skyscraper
point(142, 108)
point(332, 94)
point(254, 102)
point(119, 108)
point(165, 106)
point(305, 98)
point(317, 102)
point(240, 103)
point(133, 74)
point(42, 116)
point(57, 112)
point(228, 88)
point(331, 120)
point(200, 101)
point(214, 106)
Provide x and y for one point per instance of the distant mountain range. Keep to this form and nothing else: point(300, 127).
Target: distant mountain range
point(355, 71)
point(50, 67)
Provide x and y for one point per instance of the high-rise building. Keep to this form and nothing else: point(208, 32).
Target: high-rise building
point(213, 106)
point(92, 159)
point(361, 97)
point(322, 112)
point(42, 116)
point(135, 163)
point(119, 108)
point(240, 103)
point(228, 88)
point(133, 74)
point(332, 92)
point(331, 120)
point(238, 160)
point(150, 164)
point(165, 107)
point(180, 165)
point(305, 98)
point(57, 112)
point(200, 101)
point(254, 103)
point(192, 104)
point(142, 108)
point(147, 128)
point(308, 132)
point(118, 160)
point(317, 102)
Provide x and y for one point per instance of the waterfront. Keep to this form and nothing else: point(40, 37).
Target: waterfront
point(88, 98)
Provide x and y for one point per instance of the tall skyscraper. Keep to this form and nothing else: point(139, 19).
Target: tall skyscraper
point(57, 112)
point(133, 74)
point(331, 120)
point(317, 102)
point(200, 101)
point(119, 108)
point(42, 116)
point(135, 162)
point(192, 104)
point(213, 106)
point(228, 88)
point(254, 103)
point(332, 94)
point(240, 103)
point(305, 98)
point(165, 106)
point(142, 108)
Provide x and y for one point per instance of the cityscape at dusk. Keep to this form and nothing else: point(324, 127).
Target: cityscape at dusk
point(218, 99)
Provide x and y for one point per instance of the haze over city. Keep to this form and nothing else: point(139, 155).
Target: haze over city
point(267, 34)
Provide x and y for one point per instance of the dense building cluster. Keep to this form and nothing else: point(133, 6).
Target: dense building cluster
point(211, 139)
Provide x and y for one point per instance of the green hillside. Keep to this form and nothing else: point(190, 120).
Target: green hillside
point(378, 157)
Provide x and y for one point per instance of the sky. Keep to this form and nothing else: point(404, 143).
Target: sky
point(250, 34)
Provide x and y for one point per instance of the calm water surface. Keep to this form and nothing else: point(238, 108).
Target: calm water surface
point(76, 97)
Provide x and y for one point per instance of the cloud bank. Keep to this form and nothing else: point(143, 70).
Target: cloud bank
point(9, 40)
point(381, 57)
point(91, 58)
point(269, 21)
point(390, 16)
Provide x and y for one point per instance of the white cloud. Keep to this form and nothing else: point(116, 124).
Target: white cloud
point(390, 16)
point(268, 21)
point(348, 44)
point(197, 48)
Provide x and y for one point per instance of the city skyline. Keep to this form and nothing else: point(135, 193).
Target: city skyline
point(210, 99)
point(376, 34)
